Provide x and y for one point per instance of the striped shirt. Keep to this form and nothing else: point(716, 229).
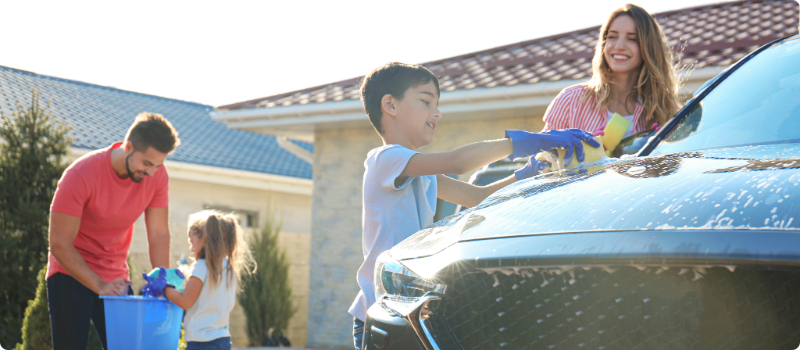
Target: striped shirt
point(567, 112)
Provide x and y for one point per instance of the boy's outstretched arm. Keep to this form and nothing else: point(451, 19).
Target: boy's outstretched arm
point(468, 195)
point(517, 144)
point(460, 160)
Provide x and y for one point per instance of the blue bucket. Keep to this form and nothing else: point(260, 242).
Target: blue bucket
point(135, 322)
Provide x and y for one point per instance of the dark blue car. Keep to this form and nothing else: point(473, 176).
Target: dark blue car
point(693, 243)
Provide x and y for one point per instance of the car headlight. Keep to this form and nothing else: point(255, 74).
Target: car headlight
point(399, 288)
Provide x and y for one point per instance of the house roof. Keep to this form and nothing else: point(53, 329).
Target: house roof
point(102, 115)
point(703, 36)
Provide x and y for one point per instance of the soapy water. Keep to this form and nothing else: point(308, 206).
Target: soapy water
point(567, 272)
point(697, 199)
point(710, 190)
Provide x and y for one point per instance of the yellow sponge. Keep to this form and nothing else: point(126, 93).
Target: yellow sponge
point(614, 131)
point(591, 154)
point(545, 156)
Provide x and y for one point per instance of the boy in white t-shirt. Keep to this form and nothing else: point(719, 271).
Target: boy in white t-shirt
point(401, 185)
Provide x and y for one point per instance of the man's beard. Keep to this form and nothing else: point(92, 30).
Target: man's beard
point(130, 173)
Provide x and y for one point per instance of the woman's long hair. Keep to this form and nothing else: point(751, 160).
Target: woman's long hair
point(223, 240)
point(657, 84)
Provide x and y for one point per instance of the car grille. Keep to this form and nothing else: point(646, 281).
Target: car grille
point(621, 308)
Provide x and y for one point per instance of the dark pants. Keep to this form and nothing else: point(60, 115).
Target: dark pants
point(72, 305)
point(216, 344)
point(358, 333)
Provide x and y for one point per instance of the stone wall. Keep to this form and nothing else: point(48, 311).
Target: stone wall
point(187, 197)
point(336, 215)
point(336, 233)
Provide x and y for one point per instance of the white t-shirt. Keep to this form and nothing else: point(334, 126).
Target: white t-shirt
point(628, 117)
point(208, 318)
point(390, 214)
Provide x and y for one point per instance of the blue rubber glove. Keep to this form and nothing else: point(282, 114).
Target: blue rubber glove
point(531, 169)
point(175, 277)
point(155, 286)
point(527, 143)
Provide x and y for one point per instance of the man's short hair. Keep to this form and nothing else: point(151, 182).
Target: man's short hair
point(393, 78)
point(152, 130)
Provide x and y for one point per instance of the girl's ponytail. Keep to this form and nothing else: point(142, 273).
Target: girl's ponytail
point(223, 240)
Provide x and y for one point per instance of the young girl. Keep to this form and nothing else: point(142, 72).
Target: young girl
point(632, 74)
point(216, 241)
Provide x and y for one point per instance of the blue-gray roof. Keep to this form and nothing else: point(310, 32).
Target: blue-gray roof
point(102, 115)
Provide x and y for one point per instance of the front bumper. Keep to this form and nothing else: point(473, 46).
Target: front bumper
point(421, 328)
point(389, 331)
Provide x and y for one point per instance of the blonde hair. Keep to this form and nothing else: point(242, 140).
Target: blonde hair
point(657, 84)
point(223, 240)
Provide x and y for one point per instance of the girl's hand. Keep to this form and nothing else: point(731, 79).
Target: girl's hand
point(155, 286)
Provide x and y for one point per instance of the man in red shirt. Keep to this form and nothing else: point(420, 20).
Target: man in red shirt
point(97, 200)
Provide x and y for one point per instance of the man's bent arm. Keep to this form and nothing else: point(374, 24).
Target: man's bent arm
point(157, 222)
point(468, 195)
point(63, 230)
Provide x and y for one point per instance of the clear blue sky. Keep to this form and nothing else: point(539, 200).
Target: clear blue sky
point(228, 51)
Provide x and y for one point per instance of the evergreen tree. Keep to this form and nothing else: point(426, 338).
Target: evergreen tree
point(266, 296)
point(36, 327)
point(36, 331)
point(33, 146)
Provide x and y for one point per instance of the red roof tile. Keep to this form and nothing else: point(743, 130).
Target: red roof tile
point(702, 36)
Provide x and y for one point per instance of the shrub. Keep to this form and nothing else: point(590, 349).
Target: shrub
point(36, 331)
point(266, 296)
point(36, 327)
point(33, 146)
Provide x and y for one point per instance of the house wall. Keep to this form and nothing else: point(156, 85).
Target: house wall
point(336, 215)
point(187, 197)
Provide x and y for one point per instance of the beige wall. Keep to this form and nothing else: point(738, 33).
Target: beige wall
point(187, 197)
point(336, 228)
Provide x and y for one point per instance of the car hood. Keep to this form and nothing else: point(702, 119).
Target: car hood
point(738, 188)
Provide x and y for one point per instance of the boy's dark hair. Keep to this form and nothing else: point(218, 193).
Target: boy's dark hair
point(393, 78)
point(152, 130)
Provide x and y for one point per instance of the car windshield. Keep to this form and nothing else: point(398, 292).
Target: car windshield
point(757, 104)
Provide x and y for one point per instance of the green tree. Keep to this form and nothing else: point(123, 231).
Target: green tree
point(36, 327)
point(266, 296)
point(33, 149)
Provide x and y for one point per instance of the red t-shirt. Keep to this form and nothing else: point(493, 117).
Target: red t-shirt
point(108, 206)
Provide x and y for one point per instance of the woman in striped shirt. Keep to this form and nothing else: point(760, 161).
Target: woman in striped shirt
point(632, 74)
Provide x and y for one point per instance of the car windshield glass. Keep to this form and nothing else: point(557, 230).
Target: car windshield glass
point(757, 104)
